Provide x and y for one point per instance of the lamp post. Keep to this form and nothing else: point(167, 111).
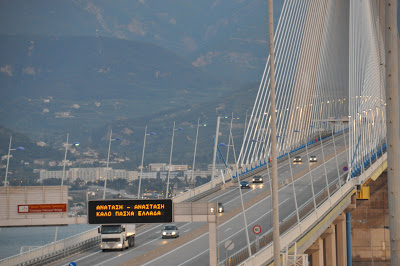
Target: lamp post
point(195, 149)
point(141, 166)
point(8, 158)
point(108, 160)
point(234, 154)
point(215, 151)
point(243, 210)
point(65, 158)
point(294, 190)
point(230, 138)
point(170, 158)
point(63, 176)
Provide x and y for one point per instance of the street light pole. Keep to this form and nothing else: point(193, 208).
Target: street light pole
point(215, 152)
point(65, 159)
point(195, 149)
point(141, 165)
point(108, 160)
point(8, 159)
point(170, 158)
point(63, 177)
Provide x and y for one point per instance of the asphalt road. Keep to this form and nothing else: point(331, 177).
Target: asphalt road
point(194, 250)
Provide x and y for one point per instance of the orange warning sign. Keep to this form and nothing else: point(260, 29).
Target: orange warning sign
point(39, 208)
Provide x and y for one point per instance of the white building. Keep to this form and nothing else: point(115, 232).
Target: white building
point(89, 174)
point(157, 167)
point(148, 175)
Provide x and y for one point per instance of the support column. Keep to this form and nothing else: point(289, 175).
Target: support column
point(317, 252)
point(330, 246)
point(341, 240)
point(348, 239)
point(212, 229)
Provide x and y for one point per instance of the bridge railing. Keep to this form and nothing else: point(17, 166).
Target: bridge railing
point(201, 191)
point(290, 228)
point(290, 222)
point(261, 164)
point(54, 251)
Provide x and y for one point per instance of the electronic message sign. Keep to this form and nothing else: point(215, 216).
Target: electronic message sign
point(130, 211)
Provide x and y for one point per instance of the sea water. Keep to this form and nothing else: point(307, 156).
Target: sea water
point(13, 238)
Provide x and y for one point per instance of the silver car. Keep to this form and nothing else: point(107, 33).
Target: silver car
point(297, 159)
point(170, 230)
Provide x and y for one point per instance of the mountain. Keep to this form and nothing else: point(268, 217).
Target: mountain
point(51, 85)
point(228, 35)
point(76, 67)
point(131, 131)
point(21, 163)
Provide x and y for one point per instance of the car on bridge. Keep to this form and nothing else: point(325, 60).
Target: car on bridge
point(257, 179)
point(220, 207)
point(313, 159)
point(297, 159)
point(170, 230)
point(244, 184)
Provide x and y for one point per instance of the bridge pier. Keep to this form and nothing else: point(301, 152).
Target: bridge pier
point(341, 240)
point(212, 228)
point(316, 251)
point(330, 245)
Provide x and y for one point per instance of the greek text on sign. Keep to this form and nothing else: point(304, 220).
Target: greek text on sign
point(130, 211)
point(41, 208)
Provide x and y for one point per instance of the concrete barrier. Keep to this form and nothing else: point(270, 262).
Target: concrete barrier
point(54, 251)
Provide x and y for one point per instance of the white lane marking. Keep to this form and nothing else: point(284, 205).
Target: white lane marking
point(158, 225)
point(283, 201)
point(186, 230)
point(220, 225)
point(222, 240)
point(87, 256)
point(228, 229)
point(240, 213)
point(129, 251)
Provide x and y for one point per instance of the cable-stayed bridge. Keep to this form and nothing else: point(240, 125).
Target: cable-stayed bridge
point(331, 64)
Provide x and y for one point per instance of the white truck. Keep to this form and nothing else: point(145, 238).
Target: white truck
point(117, 236)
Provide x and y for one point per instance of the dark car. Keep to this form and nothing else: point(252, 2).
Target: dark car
point(313, 158)
point(297, 159)
point(257, 179)
point(220, 207)
point(244, 184)
point(170, 230)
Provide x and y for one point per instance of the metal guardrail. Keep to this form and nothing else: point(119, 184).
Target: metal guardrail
point(55, 251)
point(285, 225)
point(305, 211)
point(199, 192)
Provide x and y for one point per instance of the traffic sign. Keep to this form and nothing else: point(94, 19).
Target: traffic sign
point(345, 168)
point(229, 245)
point(72, 263)
point(257, 229)
point(130, 211)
